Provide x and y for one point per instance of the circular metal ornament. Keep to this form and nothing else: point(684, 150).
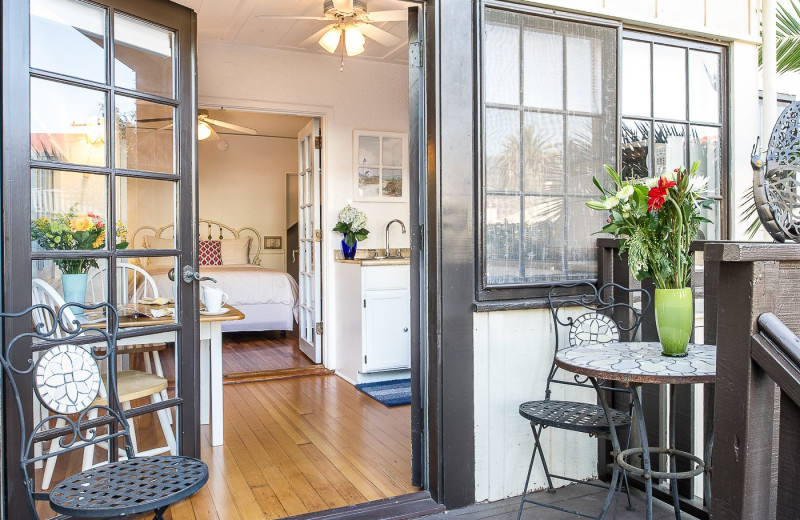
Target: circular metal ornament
point(67, 379)
point(591, 328)
point(776, 186)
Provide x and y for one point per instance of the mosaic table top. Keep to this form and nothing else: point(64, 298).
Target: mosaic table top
point(640, 362)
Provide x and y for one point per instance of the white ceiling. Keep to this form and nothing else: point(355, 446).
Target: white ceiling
point(233, 21)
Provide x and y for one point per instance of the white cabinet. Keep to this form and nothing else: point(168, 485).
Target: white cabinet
point(386, 315)
point(374, 335)
point(386, 340)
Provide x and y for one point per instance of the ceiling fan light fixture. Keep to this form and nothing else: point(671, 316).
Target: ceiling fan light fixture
point(203, 131)
point(353, 40)
point(330, 40)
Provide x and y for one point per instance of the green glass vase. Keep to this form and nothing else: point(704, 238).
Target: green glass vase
point(674, 319)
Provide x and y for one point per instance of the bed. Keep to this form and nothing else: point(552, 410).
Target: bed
point(268, 298)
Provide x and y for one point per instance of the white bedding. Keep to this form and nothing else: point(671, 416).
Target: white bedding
point(244, 284)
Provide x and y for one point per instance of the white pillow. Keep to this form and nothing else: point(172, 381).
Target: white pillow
point(236, 251)
point(151, 242)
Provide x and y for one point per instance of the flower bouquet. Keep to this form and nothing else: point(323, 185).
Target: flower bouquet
point(351, 225)
point(658, 219)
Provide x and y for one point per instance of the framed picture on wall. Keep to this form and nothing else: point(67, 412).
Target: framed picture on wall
point(381, 166)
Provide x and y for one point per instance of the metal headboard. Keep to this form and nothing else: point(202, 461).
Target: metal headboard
point(210, 230)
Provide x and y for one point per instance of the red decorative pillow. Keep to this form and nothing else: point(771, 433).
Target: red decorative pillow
point(209, 252)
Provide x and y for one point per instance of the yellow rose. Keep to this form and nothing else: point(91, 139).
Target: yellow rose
point(100, 239)
point(81, 223)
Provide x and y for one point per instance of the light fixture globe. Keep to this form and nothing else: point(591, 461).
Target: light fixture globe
point(203, 131)
point(353, 40)
point(330, 40)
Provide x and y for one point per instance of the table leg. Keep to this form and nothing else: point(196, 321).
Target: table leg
point(204, 379)
point(612, 488)
point(673, 482)
point(217, 426)
point(648, 481)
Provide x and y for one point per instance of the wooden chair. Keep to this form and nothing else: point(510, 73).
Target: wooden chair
point(131, 384)
point(67, 380)
point(138, 285)
point(601, 322)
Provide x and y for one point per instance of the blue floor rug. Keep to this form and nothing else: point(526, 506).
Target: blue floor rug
point(396, 392)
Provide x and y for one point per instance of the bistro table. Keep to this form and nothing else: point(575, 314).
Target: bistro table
point(637, 363)
point(210, 360)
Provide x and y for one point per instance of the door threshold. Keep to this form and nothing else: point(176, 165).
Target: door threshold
point(412, 505)
point(270, 375)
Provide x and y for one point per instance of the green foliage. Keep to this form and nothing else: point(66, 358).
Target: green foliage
point(352, 224)
point(657, 222)
point(787, 34)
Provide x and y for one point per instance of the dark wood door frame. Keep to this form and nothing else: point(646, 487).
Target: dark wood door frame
point(16, 211)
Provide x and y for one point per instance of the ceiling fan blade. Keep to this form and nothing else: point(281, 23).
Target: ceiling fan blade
point(395, 15)
point(231, 126)
point(343, 5)
point(314, 38)
point(279, 17)
point(154, 119)
point(379, 35)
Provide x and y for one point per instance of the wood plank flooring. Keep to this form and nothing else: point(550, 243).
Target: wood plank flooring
point(292, 446)
point(576, 497)
point(261, 351)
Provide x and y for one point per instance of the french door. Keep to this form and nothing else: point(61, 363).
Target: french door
point(309, 220)
point(99, 143)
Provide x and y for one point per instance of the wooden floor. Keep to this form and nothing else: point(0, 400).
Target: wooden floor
point(577, 497)
point(244, 352)
point(293, 446)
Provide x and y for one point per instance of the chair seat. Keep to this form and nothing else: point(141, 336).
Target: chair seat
point(128, 487)
point(571, 415)
point(133, 384)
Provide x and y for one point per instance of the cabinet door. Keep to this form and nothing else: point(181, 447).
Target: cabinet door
point(387, 341)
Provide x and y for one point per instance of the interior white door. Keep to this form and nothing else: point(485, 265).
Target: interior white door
point(310, 235)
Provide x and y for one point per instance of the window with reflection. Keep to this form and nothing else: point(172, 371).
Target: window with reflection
point(672, 112)
point(549, 124)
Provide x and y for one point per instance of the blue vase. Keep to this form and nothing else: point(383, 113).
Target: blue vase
point(349, 252)
point(74, 287)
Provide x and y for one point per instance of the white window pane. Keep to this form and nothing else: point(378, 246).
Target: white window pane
point(635, 150)
point(143, 56)
point(669, 82)
point(543, 144)
point(584, 74)
point(669, 147)
point(369, 150)
point(501, 59)
point(636, 93)
point(544, 69)
point(502, 239)
point(392, 151)
point(502, 149)
point(704, 86)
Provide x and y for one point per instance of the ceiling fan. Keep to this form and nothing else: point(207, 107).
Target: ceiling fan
point(204, 123)
point(351, 25)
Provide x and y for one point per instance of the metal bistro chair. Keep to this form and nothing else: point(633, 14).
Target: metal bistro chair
point(67, 380)
point(597, 325)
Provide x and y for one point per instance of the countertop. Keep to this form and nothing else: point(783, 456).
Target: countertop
point(371, 257)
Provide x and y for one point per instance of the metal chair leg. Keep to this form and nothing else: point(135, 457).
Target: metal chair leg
point(538, 445)
point(159, 513)
point(527, 481)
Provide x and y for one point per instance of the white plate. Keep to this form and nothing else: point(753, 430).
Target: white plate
point(220, 312)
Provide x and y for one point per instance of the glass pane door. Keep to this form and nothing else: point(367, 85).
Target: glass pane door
point(97, 184)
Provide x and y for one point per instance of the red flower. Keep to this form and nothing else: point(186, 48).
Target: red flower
point(659, 194)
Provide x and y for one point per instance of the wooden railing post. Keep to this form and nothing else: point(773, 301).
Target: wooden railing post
point(753, 278)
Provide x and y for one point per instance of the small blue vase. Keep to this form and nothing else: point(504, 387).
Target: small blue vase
point(349, 252)
point(74, 287)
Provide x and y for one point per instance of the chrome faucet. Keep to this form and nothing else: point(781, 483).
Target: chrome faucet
point(402, 227)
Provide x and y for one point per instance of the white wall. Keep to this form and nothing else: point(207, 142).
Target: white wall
point(245, 185)
point(367, 95)
point(513, 348)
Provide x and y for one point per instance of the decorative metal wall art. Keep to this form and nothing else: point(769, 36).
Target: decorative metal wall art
point(776, 187)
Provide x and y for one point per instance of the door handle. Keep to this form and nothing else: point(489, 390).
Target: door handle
point(294, 255)
point(190, 275)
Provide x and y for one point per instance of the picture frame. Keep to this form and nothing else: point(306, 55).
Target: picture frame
point(380, 166)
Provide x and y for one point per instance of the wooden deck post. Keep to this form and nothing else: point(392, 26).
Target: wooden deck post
point(753, 278)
